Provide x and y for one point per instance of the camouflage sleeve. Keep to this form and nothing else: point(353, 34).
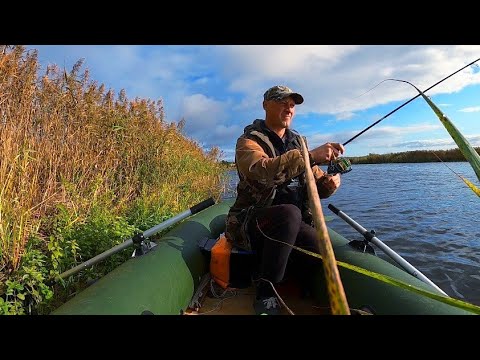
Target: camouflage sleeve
point(317, 173)
point(323, 191)
point(254, 163)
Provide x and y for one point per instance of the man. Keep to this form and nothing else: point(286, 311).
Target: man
point(272, 198)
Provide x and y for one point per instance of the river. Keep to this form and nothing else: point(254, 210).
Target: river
point(424, 212)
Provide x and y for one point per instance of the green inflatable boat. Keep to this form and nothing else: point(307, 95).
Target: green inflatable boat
point(172, 278)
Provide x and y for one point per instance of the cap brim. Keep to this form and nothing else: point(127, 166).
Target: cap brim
point(297, 98)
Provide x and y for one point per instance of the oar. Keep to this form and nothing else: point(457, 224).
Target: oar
point(369, 236)
point(138, 238)
point(337, 297)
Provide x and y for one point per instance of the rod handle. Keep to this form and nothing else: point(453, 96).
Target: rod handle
point(334, 209)
point(201, 206)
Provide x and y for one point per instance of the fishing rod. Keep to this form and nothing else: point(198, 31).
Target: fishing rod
point(139, 239)
point(343, 165)
point(370, 237)
point(405, 103)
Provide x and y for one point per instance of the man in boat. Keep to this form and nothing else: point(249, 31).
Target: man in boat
point(272, 200)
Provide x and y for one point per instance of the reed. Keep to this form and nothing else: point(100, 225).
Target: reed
point(71, 153)
point(464, 146)
point(471, 185)
point(336, 292)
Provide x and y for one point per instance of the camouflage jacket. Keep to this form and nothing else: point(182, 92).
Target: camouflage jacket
point(270, 172)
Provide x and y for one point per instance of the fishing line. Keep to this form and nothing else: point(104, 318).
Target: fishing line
point(407, 102)
point(380, 83)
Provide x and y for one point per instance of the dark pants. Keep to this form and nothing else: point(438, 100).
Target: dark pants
point(283, 223)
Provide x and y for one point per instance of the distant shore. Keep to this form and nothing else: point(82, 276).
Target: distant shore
point(415, 156)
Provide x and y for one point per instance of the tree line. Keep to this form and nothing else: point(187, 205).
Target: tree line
point(415, 156)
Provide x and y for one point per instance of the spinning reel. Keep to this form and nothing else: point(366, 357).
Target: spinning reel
point(339, 166)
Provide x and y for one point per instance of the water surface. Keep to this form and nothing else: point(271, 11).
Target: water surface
point(423, 212)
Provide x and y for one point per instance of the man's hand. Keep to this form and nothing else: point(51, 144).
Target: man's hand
point(326, 152)
point(327, 185)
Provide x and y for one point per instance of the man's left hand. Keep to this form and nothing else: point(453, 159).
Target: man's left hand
point(328, 184)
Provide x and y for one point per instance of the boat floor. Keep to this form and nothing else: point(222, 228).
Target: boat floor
point(217, 301)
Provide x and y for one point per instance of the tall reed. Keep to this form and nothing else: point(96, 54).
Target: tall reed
point(69, 145)
point(464, 146)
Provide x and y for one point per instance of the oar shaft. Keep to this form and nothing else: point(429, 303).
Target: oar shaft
point(96, 259)
point(336, 292)
point(147, 233)
point(387, 250)
point(167, 223)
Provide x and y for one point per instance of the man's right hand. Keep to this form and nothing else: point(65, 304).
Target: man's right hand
point(326, 152)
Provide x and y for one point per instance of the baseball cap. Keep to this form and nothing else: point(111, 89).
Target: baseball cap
point(280, 92)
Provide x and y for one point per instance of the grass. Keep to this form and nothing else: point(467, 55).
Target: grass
point(80, 170)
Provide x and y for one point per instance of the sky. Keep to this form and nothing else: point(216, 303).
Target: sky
point(218, 89)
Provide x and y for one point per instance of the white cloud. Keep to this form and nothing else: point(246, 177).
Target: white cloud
point(331, 78)
point(202, 113)
point(346, 115)
point(470, 109)
point(474, 140)
point(228, 132)
point(221, 136)
point(219, 89)
point(381, 132)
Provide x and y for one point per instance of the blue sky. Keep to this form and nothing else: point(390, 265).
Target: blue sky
point(218, 89)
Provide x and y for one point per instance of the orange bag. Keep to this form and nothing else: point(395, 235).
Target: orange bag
point(230, 267)
point(220, 261)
